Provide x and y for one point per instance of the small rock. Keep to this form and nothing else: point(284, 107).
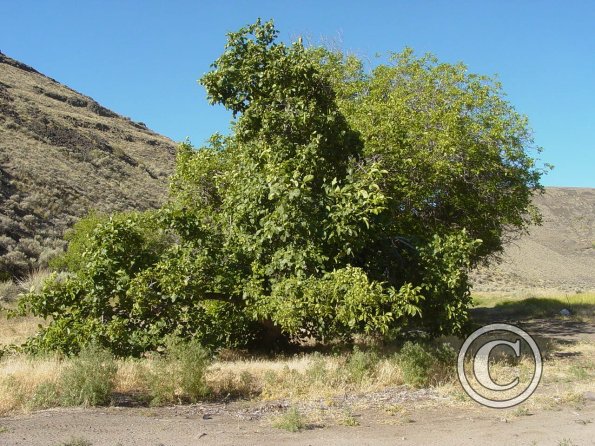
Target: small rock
point(589, 396)
point(565, 312)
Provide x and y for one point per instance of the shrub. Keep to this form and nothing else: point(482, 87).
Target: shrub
point(88, 380)
point(360, 365)
point(9, 290)
point(179, 374)
point(79, 239)
point(46, 395)
point(423, 365)
point(291, 421)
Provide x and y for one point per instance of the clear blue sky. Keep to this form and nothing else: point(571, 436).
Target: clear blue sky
point(142, 58)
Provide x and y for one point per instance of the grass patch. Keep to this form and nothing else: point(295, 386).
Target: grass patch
point(291, 421)
point(185, 372)
point(348, 419)
point(424, 365)
point(89, 379)
point(580, 305)
point(521, 411)
point(179, 375)
point(76, 441)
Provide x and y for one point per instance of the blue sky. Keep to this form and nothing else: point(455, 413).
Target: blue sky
point(142, 58)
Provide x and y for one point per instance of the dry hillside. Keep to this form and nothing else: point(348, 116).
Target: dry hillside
point(558, 255)
point(61, 155)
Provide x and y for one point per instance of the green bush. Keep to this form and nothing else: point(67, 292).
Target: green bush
point(291, 421)
point(46, 395)
point(424, 365)
point(78, 238)
point(88, 380)
point(360, 365)
point(179, 374)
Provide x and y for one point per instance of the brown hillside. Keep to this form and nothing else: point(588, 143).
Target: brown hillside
point(559, 255)
point(62, 155)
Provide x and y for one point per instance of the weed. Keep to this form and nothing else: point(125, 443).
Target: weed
point(360, 365)
point(576, 400)
point(318, 370)
point(348, 419)
point(291, 421)
point(395, 409)
point(179, 375)
point(422, 365)
point(76, 441)
point(578, 372)
point(521, 412)
point(89, 378)
point(46, 395)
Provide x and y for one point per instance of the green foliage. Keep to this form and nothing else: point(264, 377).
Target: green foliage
point(78, 238)
point(291, 421)
point(342, 203)
point(457, 153)
point(338, 304)
point(46, 395)
point(360, 365)
point(89, 378)
point(179, 375)
point(423, 365)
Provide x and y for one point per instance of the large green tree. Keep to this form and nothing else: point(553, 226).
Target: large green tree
point(458, 154)
point(343, 202)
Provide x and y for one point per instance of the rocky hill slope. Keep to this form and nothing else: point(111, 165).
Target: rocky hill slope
point(558, 255)
point(62, 155)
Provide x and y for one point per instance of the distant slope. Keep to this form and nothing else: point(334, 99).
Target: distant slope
point(560, 254)
point(61, 155)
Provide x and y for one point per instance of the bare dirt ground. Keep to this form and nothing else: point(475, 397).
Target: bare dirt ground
point(210, 425)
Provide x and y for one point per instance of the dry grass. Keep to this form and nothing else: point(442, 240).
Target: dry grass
point(34, 280)
point(302, 379)
point(569, 371)
point(21, 379)
point(10, 290)
point(17, 330)
point(306, 377)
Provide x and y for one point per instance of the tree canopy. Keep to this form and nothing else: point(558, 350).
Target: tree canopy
point(344, 202)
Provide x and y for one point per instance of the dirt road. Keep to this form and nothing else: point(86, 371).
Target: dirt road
point(205, 425)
